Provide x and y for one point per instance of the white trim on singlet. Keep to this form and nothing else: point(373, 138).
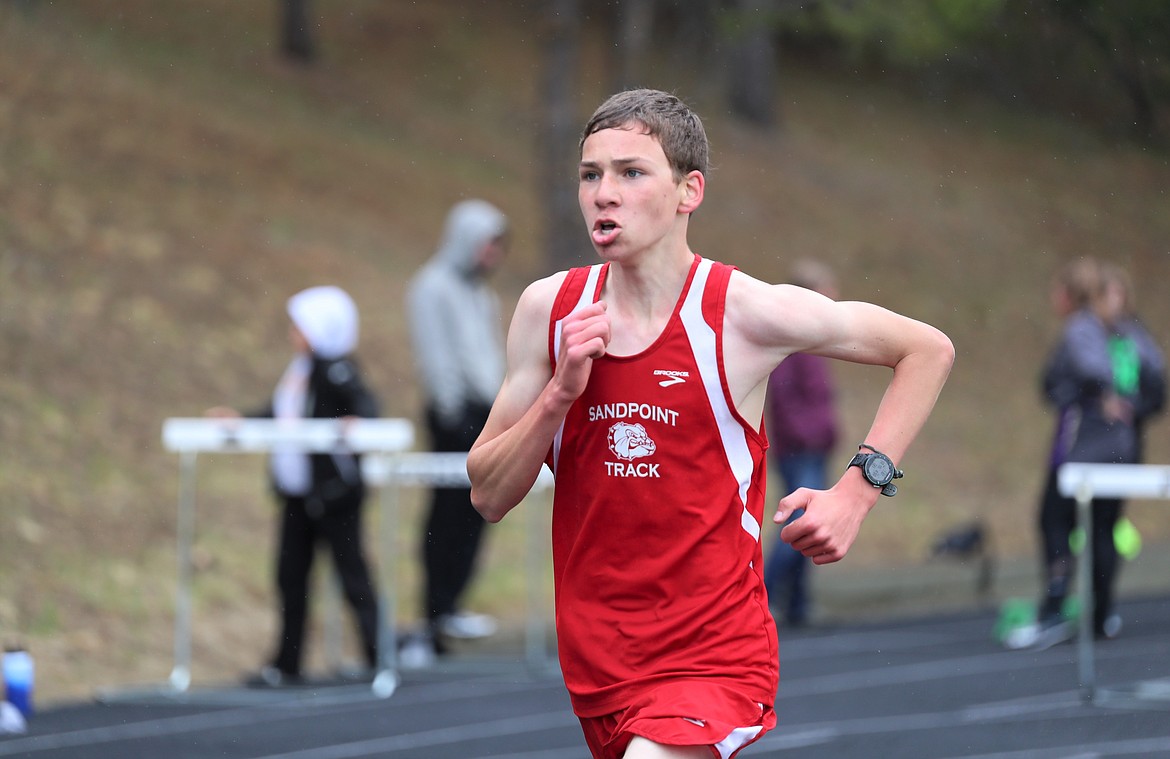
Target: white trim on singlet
point(737, 739)
point(585, 299)
point(704, 345)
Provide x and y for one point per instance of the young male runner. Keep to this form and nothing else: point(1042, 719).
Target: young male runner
point(641, 382)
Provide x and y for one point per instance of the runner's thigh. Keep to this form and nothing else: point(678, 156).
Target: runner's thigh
point(641, 748)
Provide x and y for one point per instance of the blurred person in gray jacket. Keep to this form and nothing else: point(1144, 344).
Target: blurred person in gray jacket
point(1104, 378)
point(457, 334)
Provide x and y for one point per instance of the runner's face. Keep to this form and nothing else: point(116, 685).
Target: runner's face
point(627, 192)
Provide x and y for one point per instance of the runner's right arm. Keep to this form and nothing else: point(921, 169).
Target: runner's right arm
point(505, 461)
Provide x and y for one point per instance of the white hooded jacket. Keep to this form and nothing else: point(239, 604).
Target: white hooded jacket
point(328, 318)
point(454, 315)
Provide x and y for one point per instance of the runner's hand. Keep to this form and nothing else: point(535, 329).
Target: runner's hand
point(585, 335)
point(830, 523)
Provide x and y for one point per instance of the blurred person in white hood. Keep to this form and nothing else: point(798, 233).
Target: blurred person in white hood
point(457, 334)
point(321, 494)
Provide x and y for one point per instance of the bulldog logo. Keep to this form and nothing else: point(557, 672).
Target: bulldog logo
point(630, 441)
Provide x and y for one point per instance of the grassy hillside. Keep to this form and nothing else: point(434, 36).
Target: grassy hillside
point(166, 182)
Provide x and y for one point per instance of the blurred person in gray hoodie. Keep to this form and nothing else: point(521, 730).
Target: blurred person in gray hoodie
point(457, 334)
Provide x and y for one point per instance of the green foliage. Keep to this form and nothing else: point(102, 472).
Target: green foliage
point(1131, 39)
point(901, 31)
point(1106, 60)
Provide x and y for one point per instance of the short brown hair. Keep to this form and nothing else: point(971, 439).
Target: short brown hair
point(1081, 280)
point(665, 117)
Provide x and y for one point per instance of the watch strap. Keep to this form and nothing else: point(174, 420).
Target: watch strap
point(889, 489)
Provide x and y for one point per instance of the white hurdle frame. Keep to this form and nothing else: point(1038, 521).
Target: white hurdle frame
point(386, 466)
point(191, 436)
point(392, 472)
point(1084, 482)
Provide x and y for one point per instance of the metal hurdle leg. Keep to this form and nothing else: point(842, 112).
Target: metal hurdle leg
point(386, 680)
point(535, 645)
point(1085, 590)
point(180, 678)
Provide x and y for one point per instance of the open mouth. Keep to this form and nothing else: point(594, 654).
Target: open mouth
point(605, 232)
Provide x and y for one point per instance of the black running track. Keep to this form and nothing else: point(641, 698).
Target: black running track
point(909, 688)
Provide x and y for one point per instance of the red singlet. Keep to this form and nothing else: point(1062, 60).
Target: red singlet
point(656, 519)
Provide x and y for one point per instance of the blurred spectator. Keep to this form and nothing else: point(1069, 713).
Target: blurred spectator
point(321, 494)
point(802, 430)
point(1139, 363)
point(1104, 376)
point(458, 347)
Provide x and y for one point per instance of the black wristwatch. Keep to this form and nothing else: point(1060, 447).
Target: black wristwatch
point(878, 468)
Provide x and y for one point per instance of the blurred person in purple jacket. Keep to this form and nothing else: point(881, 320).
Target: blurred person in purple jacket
point(801, 423)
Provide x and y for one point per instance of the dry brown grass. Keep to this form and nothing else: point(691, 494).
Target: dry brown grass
point(166, 184)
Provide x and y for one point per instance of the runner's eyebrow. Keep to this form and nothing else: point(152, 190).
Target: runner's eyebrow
point(615, 162)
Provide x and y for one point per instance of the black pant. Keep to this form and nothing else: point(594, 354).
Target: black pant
point(339, 523)
point(1058, 516)
point(454, 528)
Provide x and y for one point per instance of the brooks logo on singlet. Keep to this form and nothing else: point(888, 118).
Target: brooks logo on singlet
point(672, 377)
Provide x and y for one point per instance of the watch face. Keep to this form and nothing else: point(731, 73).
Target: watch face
point(879, 470)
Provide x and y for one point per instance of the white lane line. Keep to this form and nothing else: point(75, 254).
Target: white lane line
point(1060, 706)
point(437, 737)
point(941, 669)
point(270, 713)
point(578, 751)
point(1085, 751)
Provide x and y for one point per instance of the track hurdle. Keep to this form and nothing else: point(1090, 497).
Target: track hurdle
point(392, 472)
point(191, 436)
point(1084, 482)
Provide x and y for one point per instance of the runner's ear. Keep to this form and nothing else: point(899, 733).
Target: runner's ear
point(691, 191)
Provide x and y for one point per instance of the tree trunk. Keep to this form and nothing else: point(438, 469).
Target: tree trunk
point(635, 20)
point(296, 39)
point(562, 233)
point(752, 59)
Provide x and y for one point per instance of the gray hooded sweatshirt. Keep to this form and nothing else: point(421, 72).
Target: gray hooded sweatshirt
point(454, 315)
